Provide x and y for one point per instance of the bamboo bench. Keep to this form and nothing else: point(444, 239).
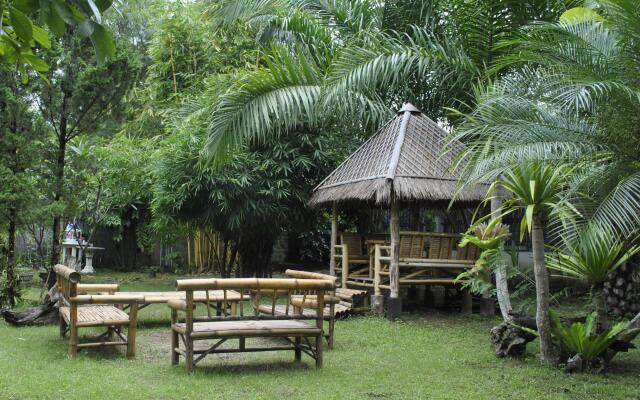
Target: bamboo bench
point(329, 311)
point(293, 327)
point(94, 310)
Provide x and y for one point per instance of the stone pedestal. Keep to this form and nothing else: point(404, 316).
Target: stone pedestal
point(394, 308)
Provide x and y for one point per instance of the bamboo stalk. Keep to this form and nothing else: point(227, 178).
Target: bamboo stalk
point(253, 283)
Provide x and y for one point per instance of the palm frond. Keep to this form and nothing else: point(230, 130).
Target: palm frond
point(264, 102)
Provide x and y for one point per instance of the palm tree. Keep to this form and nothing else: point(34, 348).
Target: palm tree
point(591, 256)
point(576, 99)
point(535, 187)
point(360, 58)
point(573, 98)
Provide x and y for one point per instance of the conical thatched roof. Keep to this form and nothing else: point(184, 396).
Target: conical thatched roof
point(410, 155)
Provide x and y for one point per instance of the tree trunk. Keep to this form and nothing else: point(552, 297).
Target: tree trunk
point(600, 305)
point(57, 196)
point(11, 258)
point(541, 274)
point(502, 287)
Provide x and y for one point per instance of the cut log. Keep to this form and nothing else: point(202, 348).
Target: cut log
point(43, 314)
point(508, 340)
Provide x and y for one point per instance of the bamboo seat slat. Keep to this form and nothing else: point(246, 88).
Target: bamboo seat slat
point(97, 316)
point(251, 328)
point(280, 309)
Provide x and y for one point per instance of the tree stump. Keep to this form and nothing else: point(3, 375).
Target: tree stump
point(508, 340)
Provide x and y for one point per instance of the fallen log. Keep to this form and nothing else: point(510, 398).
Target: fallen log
point(43, 314)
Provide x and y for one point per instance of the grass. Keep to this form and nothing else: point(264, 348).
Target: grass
point(426, 356)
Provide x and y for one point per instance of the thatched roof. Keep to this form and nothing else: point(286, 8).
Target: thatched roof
point(410, 155)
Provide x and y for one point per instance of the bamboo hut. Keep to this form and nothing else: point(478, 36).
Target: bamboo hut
point(407, 161)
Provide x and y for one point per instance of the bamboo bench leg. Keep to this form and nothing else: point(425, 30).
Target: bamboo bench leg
point(332, 325)
point(319, 340)
point(131, 333)
point(175, 356)
point(189, 353)
point(73, 332)
point(298, 352)
point(63, 326)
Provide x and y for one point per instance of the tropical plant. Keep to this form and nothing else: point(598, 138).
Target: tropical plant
point(571, 97)
point(489, 238)
point(20, 32)
point(583, 339)
point(575, 100)
point(356, 60)
point(535, 188)
point(591, 257)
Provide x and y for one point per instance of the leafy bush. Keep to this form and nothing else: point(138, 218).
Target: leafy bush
point(489, 237)
point(582, 338)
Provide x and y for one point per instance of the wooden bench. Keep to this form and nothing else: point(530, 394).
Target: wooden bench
point(293, 326)
point(329, 312)
point(94, 310)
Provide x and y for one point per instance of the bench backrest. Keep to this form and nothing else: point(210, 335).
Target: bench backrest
point(354, 243)
point(67, 280)
point(412, 245)
point(309, 289)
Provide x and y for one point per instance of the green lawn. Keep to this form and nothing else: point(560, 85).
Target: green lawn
point(426, 356)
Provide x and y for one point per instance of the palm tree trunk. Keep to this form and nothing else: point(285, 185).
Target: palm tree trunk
point(541, 274)
point(502, 287)
point(600, 305)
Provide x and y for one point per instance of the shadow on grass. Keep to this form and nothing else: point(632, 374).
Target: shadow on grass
point(224, 368)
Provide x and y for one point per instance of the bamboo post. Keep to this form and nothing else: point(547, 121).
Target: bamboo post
point(319, 324)
point(377, 300)
point(345, 265)
point(73, 330)
point(73, 319)
point(188, 330)
point(174, 338)
point(467, 302)
point(334, 239)
point(395, 303)
point(131, 333)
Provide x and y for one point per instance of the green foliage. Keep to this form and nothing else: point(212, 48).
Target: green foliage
point(21, 28)
point(572, 98)
point(536, 187)
point(488, 237)
point(364, 58)
point(592, 255)
point(582, 338)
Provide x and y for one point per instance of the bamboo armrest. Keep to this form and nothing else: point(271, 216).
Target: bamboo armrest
point(328, 298)
point(310, 302)
point(179, 305)
point(97, 287)
point(107, 299)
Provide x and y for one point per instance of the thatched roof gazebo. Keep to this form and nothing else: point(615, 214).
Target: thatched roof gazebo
point(408, 160)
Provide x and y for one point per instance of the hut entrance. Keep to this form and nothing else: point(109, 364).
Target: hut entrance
point(405, 165)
